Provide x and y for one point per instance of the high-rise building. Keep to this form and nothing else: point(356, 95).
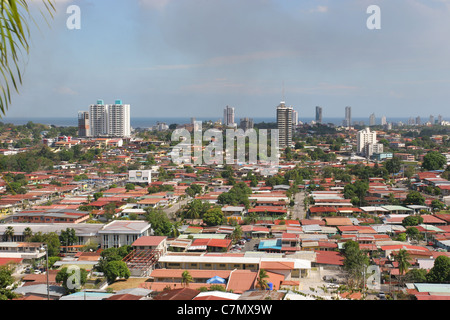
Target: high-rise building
point(319, 114)
point(432, 119)
point(418, 121)
point(294, 117)
point(372, 119)
point(348, 117)
point(366, 143)
point(383, 120)
point(98, 114)
point(284, 125)
point(440, 119)
point(110, 120)
point(84, 128)
point(246, 123)
point(228, 116)
point(119, 119)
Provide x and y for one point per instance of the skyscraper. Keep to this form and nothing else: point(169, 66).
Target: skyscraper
point(372, 119)
point(348, 117)
point(319, 114)
point(228, 116)
point(110, 120)
point(98, 114)
point(284, 125)
point(246, 123)
point(383, 120)
point(294, 117)
point(119, 119)
point(83, 124)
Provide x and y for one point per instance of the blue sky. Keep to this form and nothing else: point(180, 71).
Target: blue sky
point(194, 57)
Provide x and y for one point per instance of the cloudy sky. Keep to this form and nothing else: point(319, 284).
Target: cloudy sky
point(193, 57)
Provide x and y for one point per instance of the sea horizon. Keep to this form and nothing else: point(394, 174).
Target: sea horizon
point(147, 122)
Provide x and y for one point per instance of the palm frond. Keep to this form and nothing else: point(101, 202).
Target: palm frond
point(15, 18)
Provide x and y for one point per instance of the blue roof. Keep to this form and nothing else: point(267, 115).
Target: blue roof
point(270, 244)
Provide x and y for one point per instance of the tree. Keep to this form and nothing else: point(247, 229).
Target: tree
point(130, 186)
point(213, 217)
point(402, 257)
point(27, 233)
point(434, 160)
point(116, 269)
point(51, 239)
point(186, 278)
point(236, 235)
point(356, 262)
point(416, 275)
point(9, 233)
point(262, 279)
point(72, 279)
point(98, 195)
point(393, 165)
point(161, 224)
point(440, 273)
point(414, 198)
point(437, 205)
point(68, 237)
point(412, 221)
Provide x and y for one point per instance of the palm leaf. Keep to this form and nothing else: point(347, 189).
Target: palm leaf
point(14, 44)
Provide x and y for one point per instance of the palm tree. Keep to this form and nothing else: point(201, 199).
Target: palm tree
point(9, 233)
point(14, 41)
point(27, 233)
point(186, 278)
point(402, 257)
point(262, 279)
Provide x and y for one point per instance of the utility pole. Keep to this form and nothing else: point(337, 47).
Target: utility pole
point(46, 271)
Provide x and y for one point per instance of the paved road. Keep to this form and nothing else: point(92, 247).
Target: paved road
point(173, 209)
point(298, 211)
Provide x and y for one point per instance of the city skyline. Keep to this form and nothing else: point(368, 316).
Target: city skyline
point(164, 52)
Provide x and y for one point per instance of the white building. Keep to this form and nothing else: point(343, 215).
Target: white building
point(119, 233)
point(110, 120)
point(366, 143)
point(228, 116)
point(140, 176)
point(284, 125)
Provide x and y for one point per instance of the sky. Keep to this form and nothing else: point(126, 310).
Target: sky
point(191, 58)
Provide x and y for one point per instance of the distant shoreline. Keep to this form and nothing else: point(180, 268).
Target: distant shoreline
point(147, 122)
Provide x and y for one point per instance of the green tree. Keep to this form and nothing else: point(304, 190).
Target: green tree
point(414, 198)
point(403, 259)
point(6, 281)
point(393, 165)
point(72, 279)
point(51, 239)
point(213, 217)
point(262, 281)
point(9, 233)
point(434, 160)
point(440, 273)
point(186, 278)
point(116, 269)
point(412, 221)
point(416, 275)
point(356, 262)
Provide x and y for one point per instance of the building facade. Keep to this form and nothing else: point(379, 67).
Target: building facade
point(284, 125)
point(109, 120)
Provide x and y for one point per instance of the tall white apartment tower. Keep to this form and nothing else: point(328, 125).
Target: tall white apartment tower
point(366, 143)
point(119, 119)
point(228, 116)
point(284, 125)
point(98, 119)
point(110, 120)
